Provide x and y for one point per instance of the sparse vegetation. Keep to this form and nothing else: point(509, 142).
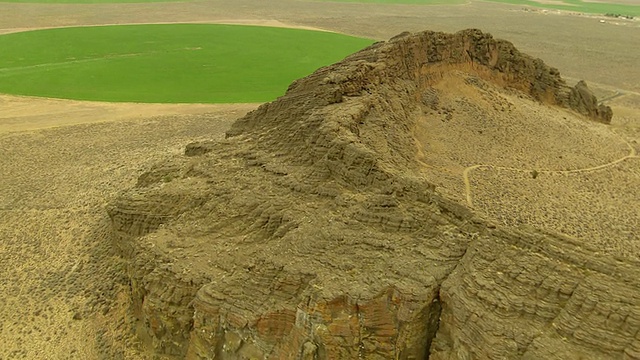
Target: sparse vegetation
point(534, 173)
point(629, 17)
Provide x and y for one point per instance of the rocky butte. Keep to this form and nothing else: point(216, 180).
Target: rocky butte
point(311, 232)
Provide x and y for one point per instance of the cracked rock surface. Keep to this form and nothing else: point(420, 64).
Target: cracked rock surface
point(311, 231)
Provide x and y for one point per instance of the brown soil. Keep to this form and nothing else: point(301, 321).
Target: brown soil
point(553, 2)
point(22, 113)
point(63, 294)
point(252, 22)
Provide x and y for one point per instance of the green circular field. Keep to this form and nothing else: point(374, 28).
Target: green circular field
point(183, 63)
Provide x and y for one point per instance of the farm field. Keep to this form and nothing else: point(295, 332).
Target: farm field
point(62, 161)
point(594, 7)
point(179, 63)
point(625, 8)
point(620, 7)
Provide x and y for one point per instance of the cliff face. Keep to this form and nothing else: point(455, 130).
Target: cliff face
point(311, 233)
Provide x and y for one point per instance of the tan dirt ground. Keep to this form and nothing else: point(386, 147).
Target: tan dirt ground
point(61, 161)
point(21, 113)
point(553, 2)
point(251, 22)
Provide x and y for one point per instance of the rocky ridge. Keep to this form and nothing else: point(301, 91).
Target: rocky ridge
point(311, 233)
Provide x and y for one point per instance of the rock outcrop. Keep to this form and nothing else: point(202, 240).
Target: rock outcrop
point(311, 233)
point(583, 101)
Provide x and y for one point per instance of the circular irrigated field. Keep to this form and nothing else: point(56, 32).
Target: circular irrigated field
point(177, 63)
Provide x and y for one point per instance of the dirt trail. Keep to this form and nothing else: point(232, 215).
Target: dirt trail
point(250, 22)
point(467, 183)
point(26, 113)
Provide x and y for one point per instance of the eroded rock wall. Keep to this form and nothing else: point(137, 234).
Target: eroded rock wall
point(527, 294)
point(310, 232)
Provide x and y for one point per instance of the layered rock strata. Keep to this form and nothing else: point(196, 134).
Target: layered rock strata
point(311, 233)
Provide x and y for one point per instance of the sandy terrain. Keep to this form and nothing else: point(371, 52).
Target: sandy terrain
point(251, 22)
point(61, 295)
point(553, 2)
point(20, 113)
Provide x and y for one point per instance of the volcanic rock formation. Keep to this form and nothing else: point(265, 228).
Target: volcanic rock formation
point(311, 232)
